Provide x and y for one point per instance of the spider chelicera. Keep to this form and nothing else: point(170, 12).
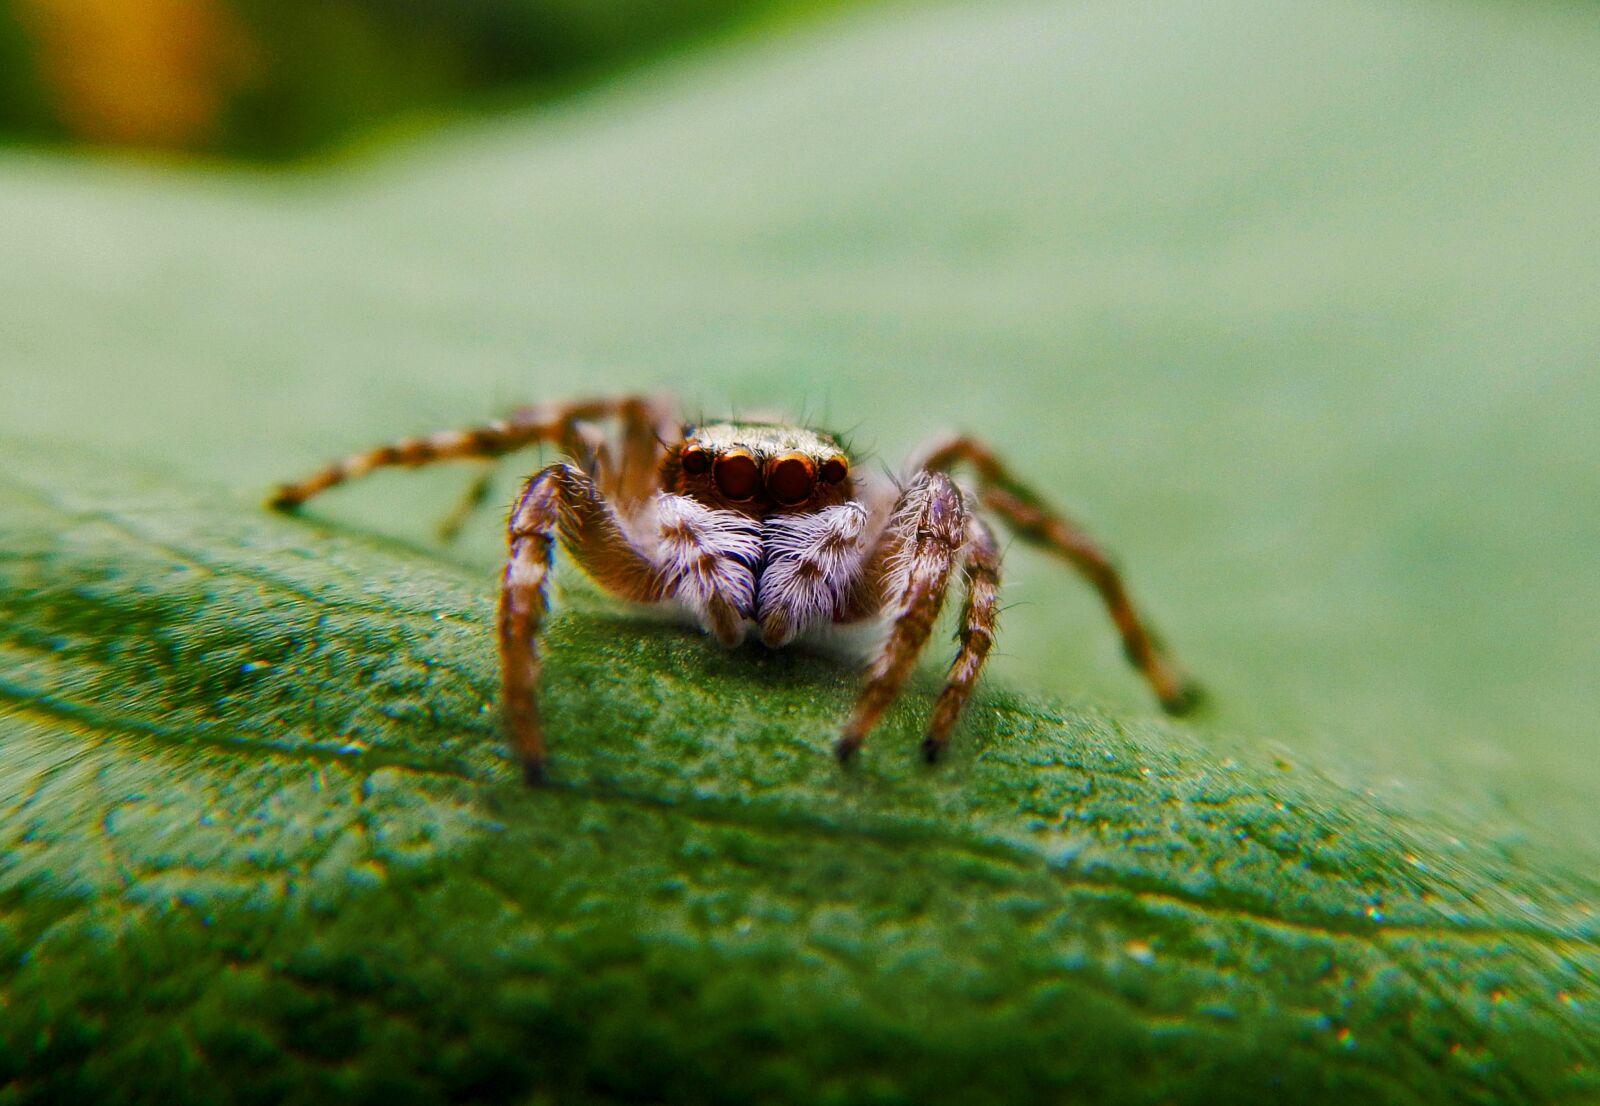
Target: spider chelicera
point(764, 526)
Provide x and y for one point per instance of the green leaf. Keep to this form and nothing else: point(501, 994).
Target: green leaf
point(263, 843)
point(1297, 305)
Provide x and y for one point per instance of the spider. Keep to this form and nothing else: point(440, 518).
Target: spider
point(762, 526)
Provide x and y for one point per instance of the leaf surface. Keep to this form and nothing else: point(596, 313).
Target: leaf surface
point(261, 842)
point(1293, 305)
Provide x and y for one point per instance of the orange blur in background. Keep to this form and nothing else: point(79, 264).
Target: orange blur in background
point(148, 73)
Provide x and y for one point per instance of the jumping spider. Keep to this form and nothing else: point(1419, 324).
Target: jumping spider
point(763, 524)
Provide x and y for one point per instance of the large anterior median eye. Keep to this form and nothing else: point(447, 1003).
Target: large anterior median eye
point(737, 475)
point(791, 478)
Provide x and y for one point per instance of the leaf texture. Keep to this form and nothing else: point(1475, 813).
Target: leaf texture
point(261, 843)
point(1293, 303)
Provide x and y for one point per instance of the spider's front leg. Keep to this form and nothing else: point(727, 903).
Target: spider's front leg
point(642, 420)
point(908, 578)
point(559, 500)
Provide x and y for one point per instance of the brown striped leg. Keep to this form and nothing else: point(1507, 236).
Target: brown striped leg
point(1033, 522)
point(911, 573)
point(491, 440)
point(554, 422)
point(979, 613)
point(626, 468)
point(557, 500)
point(645, 426)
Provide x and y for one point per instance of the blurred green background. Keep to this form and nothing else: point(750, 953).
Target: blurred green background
point(1298, 305)
point(274, 79)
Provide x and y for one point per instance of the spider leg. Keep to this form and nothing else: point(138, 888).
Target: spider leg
point(908, 576)
point(477, 493)
point(554, 422)
point(645, 424)
point(979, 613)
point(1025, 513)
point(559, 500)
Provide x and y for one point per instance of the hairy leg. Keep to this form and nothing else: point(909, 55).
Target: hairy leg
point(979, 613)
point(907, 577)
point(1033, 522)
point(555, 422)
point(559, 500)
point(812, 563)
point(645, 426)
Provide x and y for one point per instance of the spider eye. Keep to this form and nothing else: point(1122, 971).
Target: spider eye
point(790, 478)
point(737, 475)
point(834, 470)
point(695, 461)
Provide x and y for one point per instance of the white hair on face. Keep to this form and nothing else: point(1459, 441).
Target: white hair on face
point(812, 562)
point(768, 439)
point(704, 553)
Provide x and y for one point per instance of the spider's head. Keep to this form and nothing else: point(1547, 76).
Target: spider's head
point(759, 468)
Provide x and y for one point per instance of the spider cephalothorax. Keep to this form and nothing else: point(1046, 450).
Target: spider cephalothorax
point(758, 525)
point(758, 468)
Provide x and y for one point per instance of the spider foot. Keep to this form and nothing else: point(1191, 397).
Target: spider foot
point(847, 746)
point(1189, 697)
point(286, 499)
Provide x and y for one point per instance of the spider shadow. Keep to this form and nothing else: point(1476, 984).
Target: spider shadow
point(825, 675)
point(691, 653)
